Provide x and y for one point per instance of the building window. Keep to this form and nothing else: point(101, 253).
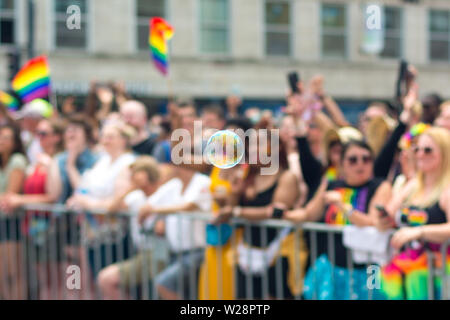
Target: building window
point(278, 35)
point(214, 30)
point(334, 31)
point(392, 32)
point(145, 10)
point(439, 35)
point(70, 38)
point(7, 22)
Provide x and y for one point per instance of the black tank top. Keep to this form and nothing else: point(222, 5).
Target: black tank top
point(253, 235)
point(414, 216)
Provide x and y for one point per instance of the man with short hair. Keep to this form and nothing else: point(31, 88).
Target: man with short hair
point(145, 175)
point(188, 191)
point(134, 113)
point(213, 117)
point(430, 104)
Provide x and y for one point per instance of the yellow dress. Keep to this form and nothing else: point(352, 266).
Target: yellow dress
point(216, 280)
point(216, 273)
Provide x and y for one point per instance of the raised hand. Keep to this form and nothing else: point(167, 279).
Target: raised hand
point(408, 102)
point(295, 106)
point(316, 85)
point(105, 95)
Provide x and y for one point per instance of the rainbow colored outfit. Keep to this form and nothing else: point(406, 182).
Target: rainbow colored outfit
point(331, 173)
point(332, 280)
point(406, 276)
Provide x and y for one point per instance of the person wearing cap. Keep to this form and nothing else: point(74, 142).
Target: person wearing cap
point(29, 117)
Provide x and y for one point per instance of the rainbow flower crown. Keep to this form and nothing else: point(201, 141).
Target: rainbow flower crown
point(415, 131)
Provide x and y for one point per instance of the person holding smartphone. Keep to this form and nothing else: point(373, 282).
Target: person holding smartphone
point(349, 200)
point(421, 211)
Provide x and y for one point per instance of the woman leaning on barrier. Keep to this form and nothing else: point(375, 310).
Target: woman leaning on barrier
point(12, 174)
point(350, 200)
point(37, 183)
point(216, 278)
point(35, 225)
point(68, 166)
point(266, 257)
point(98, 187)
point(422, 213)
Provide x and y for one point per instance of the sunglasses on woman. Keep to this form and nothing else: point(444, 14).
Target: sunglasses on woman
point(43, 134)
point(426, 150)
point(354, 159)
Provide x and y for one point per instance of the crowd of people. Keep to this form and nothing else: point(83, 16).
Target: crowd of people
point(391, 171)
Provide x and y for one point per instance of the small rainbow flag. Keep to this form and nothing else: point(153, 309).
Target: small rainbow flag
point(33, 80)
point(160, 33)
point(9, 101)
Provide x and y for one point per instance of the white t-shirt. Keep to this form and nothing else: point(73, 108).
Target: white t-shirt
point(34, 148)
point(181, 232)
point(134, 201)
point(100, 180)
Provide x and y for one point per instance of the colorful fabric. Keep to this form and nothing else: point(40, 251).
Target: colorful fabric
point(9, 101)
point(218, 263)
point(406, 276)
point(216, 278)
point(415, 131)
point(160, 33)
point(331, 174)
point(33, 80)
point(357, 197)
point(36, 224)
point(324, 281)
point(413, 216)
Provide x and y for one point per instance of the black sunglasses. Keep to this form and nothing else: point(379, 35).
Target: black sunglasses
point(43, 134)
point(426, 150)
point(354, 159)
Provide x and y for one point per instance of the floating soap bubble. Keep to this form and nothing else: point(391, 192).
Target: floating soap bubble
point(224, 149)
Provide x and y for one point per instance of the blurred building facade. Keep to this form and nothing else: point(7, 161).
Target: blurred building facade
point(224, 46)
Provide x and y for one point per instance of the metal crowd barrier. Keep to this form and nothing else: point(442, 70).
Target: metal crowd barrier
point(52, 252)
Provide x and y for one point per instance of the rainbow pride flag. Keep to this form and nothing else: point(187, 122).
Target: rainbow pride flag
point(33, 80)
point(160, 33)
point(9, 101)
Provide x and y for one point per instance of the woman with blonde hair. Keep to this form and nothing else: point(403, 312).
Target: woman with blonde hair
point(108, 179)
point(422, 213)
point(109, 176)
